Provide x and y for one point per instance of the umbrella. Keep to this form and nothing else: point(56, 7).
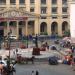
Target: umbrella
point(68, 50)
point(73, 40)
point(66, 38)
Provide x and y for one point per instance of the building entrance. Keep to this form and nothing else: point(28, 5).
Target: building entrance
point(1, 33)
point(20, 31)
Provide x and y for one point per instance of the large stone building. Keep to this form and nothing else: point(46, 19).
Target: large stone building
point(26, 17)
point(72, 19)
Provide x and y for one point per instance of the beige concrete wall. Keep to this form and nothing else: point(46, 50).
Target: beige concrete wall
point(37, 6)
point(27, 5)
point(7, 3)
point(17, 3)
point(5, 31)
point(36, 26)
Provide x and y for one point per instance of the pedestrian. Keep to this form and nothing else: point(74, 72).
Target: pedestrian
point(16, 51)
point(37, 73)
point(33, 73)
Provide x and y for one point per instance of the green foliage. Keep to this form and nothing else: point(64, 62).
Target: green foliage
point(5, 23)
point(43, 33)
point(13, 24)
point(59, 37)
point(67, 33)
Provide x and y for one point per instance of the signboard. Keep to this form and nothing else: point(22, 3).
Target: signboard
point(13, 19)
point(13, 16)
point(72, 20)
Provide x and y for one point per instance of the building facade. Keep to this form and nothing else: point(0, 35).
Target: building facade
point(72, 21)
point(26, 17)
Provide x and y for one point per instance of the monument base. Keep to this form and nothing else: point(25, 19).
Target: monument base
point(36, 51)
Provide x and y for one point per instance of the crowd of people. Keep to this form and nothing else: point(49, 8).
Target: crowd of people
point(8, 69)
point(70, 57)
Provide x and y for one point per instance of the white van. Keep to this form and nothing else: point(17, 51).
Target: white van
point(13, 36)
point(3, 62)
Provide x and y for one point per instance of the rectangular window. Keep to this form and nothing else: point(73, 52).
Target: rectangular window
point(31, 9)
point(43, 10)
point(64, 2)
point(64, 10)
point(43, 17)
point(21, 2)
point(54, 2)
point(43, 1)
point(54, 10)
point(2, 2)
point(32, 2)
point(13, 2)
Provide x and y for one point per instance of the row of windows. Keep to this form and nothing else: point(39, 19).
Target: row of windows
point(32, 1)
point(54, 2)
point(43, 10)
point(54, 17)
point(54, 10)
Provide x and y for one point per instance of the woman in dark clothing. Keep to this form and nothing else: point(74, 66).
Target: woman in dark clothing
point(37, 73)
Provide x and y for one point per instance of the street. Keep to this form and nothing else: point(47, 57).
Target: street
point(44, 69)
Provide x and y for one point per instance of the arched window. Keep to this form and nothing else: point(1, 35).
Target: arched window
point(54, 28)
point(43, 27)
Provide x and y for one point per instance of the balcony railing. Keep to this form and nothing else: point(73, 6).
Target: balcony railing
point(32, 3)
point(21, 3)
point(54, 13)
point(12, 3)
point(54, 5)
point(43, 5)
point(64, 12)
point(2, 3)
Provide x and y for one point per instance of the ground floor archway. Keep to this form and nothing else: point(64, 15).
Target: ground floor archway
point(43, 28)
point(64, 26)
point(54, 28)
point(2, 25)
point(65, 30)
point(21, 28)
point(31, 27)
point(1, 32)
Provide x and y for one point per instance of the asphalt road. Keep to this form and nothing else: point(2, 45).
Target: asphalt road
point(44, 69)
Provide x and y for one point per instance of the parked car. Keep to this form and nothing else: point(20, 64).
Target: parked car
point(13, 37)
point(3, 62)
point(53, 60)
point(53, 47)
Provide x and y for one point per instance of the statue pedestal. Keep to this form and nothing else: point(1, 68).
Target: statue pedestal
point(36, 51)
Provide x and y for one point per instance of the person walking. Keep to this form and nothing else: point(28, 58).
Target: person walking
point(37, 73)
point(33, 73)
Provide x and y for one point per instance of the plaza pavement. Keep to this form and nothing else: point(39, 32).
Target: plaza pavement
point(28, 53)
point(44, 69)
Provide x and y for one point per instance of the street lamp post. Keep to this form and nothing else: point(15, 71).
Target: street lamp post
point(8, 59)
point(27, 41)
point(36, 41)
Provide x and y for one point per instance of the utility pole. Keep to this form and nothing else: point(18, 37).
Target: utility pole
point(36, 41)
point(27, 41)
point(8, 58)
